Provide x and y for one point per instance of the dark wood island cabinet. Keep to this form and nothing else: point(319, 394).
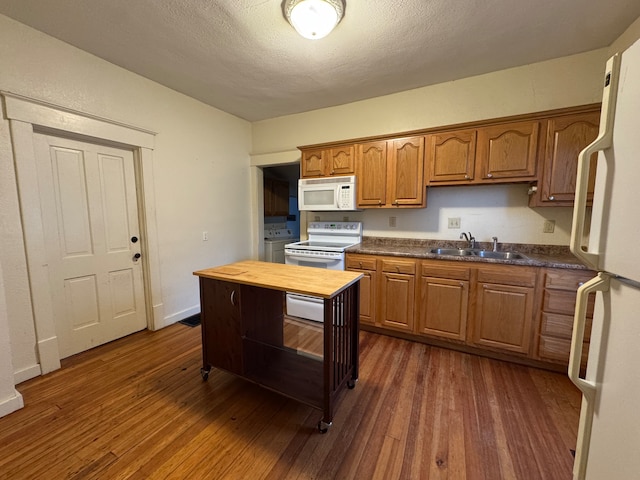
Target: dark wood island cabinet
point(243, 329)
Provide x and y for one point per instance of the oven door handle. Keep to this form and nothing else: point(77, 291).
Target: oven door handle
point(313, 259)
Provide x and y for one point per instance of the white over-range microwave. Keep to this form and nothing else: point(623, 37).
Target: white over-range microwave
point(327, 194)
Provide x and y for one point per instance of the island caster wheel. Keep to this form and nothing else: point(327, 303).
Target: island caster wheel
point(323, 426)
point(205, 374)
point(351, 384)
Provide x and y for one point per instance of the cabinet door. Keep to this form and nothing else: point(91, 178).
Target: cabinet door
point(276, 198)
point(397, 292)
point(566, 137)
point(221, 325)
point(371, 169)
point(504, 317)
point(397, 295)
point(341, 160)
point(508, 151)
point(443, 307)
point(366, 265)
point(405, 181)
point(450, 156)
point(313, 163)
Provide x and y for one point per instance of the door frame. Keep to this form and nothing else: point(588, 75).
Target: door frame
point(27, 116)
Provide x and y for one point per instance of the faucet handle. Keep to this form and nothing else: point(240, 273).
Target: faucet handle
point(495, 243)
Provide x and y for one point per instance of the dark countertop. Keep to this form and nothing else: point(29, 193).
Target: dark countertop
point(553, 256)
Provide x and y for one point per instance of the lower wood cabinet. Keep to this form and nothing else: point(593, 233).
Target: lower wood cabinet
point(397, 292)
point(504, 308)
point(556, 314)
point(443, 300)
point(365, 264)
point(519, 312)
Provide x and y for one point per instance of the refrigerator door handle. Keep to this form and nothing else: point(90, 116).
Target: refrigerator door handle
point(587, 387)
point(596, 284)
point(602, 142)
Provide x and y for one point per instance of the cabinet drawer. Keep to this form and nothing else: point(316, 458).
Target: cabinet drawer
point(566, 279)
point(508, 275)
point(553, 348)
point(561, 326)
point(562, 301)
point(398, 266)
point(438, 270)
point(556, 325)
point(558, 350)
point(361, 262)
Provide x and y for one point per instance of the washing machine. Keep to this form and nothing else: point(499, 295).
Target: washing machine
point(275, 238)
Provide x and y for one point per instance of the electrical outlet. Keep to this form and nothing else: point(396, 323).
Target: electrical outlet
point(454, 222)
point(549, 226)
point(392, 221)
point(205, 236)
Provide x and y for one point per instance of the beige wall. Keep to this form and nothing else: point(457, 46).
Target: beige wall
point(502, 210)
point(201, 171)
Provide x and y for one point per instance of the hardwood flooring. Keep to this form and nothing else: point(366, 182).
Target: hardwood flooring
point(137, 408)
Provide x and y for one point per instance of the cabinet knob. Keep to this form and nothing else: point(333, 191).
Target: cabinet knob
point(379, 202)
point(552, 198)
point(395, 202)
point(466, 177)
point(489, 175)
point(397, 269)
point(360, 264)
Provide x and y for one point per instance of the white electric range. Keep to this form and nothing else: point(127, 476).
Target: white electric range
point(325, 248)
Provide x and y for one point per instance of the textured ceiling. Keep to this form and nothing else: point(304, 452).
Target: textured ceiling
point(242, 57)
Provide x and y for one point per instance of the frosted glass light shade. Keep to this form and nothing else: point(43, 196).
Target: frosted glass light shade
point(314, 19)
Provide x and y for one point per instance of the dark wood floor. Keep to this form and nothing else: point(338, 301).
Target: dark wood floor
point(138, 409)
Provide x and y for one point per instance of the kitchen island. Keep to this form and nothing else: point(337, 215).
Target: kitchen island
point(243, 329)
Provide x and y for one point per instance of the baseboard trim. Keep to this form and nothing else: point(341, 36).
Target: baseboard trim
point(11, 404)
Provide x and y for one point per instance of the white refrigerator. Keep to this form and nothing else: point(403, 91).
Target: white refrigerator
point(608, 445)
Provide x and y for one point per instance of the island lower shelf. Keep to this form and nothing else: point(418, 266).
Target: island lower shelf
point(243, 331)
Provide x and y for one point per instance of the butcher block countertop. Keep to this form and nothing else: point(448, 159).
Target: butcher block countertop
point(317, 282)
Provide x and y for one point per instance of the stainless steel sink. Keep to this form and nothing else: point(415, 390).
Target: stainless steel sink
point(458, 252)
point(465, 252)
point(499, 255)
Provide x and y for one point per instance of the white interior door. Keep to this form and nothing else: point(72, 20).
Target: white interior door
point(90, 222)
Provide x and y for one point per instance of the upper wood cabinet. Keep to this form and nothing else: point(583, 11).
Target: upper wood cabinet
point(498, 153)
point(391, 173)
point(508, 151)
point(371, 170)
point(566, 137)
point(276, 197)
point(450, 156)
point(328, 162)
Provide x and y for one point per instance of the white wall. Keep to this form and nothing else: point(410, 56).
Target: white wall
point(201, 171)
point(498, 210)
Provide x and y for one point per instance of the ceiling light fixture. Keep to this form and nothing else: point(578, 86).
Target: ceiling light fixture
point(314, 19)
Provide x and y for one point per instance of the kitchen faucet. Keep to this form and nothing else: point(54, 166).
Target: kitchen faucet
point(470, 238)
point(495, 243)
